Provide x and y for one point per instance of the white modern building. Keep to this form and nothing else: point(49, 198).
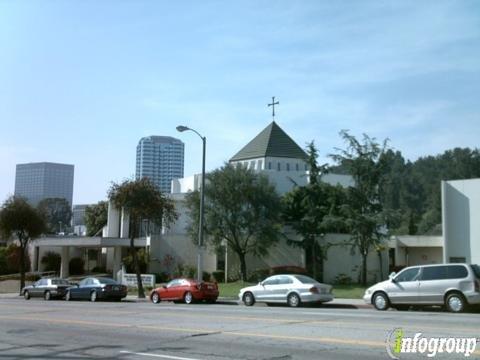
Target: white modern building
point(461, 220)
point(161, 159)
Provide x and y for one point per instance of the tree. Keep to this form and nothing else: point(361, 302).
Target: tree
point(363, 212)
point(96, 217)
point(141, 200)
point(57, 213)
point(311, 211)
point(242, 208)
point(18, 218)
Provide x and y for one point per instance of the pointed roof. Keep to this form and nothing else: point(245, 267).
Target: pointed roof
point(271, 141)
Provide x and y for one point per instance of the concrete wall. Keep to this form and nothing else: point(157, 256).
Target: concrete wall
point(461, 215)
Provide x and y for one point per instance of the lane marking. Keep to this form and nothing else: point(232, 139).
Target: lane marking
point(327, 340)
point(158, 355)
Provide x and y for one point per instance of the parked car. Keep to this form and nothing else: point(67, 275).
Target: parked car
point(96, 288)
point(452, 285)
point(287, 289)
point(48, 288)
point(186, 290)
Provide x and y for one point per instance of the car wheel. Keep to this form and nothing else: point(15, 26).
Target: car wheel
point(188, 297)
point(380, 301)
point(155, 298)
point(47, 296)
point(455, 302)
point(68, 296)
point(26, 295)
point(93, 296)
point(293, 300)
point(248, 299)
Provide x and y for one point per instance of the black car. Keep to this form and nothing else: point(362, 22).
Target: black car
point(48, 288)
point(96, 288)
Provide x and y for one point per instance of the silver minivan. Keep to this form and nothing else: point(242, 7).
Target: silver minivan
point(452, 285)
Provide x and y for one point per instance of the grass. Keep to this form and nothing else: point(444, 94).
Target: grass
point(232, 289)
point(353, 291)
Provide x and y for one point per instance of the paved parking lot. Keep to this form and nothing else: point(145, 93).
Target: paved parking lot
point(128, 330)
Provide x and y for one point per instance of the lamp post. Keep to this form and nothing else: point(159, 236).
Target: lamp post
point(182, 128)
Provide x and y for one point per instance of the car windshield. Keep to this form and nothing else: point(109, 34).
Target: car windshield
point(60, 282)
point(106, 281)
point(476, 270)
point(305, 279)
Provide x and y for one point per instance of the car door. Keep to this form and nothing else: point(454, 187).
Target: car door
point(84, 288)
point(436, 280)
point(403, 288)
point(170, 290)
point(37, 289)
point(267, 289)
point(281, 289)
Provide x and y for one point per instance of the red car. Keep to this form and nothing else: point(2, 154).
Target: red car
point(185, 290)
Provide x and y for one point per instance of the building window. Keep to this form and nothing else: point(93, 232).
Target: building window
point(278, 166)
point(269, 165)
point(259, 164)
point(296, 167)
point(288, 167)
point(252, 164)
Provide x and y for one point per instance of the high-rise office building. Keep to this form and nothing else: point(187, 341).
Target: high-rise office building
point(38, 181)
point(160, 158)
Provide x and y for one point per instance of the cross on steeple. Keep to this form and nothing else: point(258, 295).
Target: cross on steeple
point(273, 106)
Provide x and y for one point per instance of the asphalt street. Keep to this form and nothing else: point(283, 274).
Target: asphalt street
point(38, 329)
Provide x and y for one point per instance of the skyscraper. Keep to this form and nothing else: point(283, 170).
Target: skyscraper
point(160, 158)
point(38, 181)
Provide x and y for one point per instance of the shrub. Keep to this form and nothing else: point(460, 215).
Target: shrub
point(76, 266)
point(162, 277)
point(219, 276)
point(10, 260)
point(99, 269)
point(342, 279)
point(288, 269)
point(142, 258)
point(51, 261)
point(259, 275)
point(206, 276)
point(189, 272)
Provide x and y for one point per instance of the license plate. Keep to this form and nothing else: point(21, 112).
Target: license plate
point(116, 288)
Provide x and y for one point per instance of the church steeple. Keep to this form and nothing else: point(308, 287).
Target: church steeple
point(272, 142)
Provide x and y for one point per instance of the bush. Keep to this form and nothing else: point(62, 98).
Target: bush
point(288, 269)
point(76, 266)
point(51, 261)
point(99, 269)
point(219, 276)
point(206, 276)
point(259, 275)
point(342, 279)
point(142, 257)
point(162, 277)
point(189, 272)
point(10, 260)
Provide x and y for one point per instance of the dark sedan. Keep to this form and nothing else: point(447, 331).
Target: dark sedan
point(96, 288)
point(48, 288)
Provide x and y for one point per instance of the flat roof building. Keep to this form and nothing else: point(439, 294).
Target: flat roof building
point(38, 181)
point(161, 159)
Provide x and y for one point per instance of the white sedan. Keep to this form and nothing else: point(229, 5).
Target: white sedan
point(286, 289)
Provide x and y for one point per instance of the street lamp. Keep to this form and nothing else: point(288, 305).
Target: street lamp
point(182, 128)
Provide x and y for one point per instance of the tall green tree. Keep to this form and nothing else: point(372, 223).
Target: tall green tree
point(311, 211)
point(242, 208)
point(23, 221)
point(57, 212)
point(363, 212)
point(141, 200)
point(96, 217)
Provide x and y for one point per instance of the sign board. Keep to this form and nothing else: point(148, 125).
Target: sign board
point(131, 280)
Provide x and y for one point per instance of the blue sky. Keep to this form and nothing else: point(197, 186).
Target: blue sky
point(82, 81)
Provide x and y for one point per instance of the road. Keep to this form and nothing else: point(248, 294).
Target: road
point(37, 329)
